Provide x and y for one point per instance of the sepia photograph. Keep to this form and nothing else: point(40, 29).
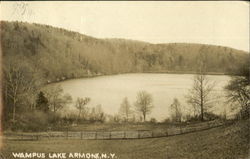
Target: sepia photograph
point(125, 80)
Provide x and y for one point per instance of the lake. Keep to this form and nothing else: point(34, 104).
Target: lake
point(109, 91)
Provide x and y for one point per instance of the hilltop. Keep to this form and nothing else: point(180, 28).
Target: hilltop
point(56, 53)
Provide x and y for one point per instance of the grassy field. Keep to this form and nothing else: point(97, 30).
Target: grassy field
point(227, 142)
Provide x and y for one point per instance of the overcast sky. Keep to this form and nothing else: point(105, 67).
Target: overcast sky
point(220, 23)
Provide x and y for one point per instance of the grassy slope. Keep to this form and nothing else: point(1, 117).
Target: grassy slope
point(231, 142)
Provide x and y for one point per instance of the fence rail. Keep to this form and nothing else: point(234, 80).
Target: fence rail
point(112, 135)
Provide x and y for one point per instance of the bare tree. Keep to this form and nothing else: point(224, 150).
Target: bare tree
point(80, 103)
point(14, 80)
point(144, 103)
point(57, 100)
point(125, 109)
point(97, 114)
point(100, 116)
point(20, 85)
point(176, 110)
point(200, 94)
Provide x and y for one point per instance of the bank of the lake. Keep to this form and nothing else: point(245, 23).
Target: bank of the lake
point(153, 72)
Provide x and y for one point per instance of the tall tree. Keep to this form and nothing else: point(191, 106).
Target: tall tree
point(200, 95)
point(238, 90)
point(20, 84)
point(125, 109)
point(80, 104)
point(144, 103)
point(176, 110)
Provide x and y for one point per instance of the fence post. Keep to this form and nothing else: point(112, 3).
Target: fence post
point(67, 135)
point(208, 125)
point(166, 132)
point(124, 134)
point(110, 135)
point(37, 137)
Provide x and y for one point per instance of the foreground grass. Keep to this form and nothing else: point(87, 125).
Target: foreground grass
point(227, 142)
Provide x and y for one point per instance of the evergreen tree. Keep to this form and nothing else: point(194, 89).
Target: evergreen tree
point(42, 102)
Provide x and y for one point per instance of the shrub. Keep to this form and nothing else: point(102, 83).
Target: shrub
point(54, 118)
point(31, 121)
point(211, 116)
point(153, 120)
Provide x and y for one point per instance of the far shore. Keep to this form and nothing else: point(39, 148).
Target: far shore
point(152, 72)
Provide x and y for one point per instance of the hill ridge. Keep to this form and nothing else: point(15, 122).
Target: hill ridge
point(49, 49)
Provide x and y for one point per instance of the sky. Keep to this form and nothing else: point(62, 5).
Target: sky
point(223, 23)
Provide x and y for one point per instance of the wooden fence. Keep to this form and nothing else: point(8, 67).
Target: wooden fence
point(112, 135)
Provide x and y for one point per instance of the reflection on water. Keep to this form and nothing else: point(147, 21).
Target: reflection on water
point(110, 90)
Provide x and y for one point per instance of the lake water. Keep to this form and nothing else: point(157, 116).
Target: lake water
point(109, 91)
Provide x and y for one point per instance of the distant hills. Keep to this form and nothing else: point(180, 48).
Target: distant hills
point(58, 54)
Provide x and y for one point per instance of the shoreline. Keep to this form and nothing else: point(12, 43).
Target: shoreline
point(146, 72)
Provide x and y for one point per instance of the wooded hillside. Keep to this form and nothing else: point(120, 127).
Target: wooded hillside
point(56, 54)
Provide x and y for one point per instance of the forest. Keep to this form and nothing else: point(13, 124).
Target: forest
point(57, 54)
